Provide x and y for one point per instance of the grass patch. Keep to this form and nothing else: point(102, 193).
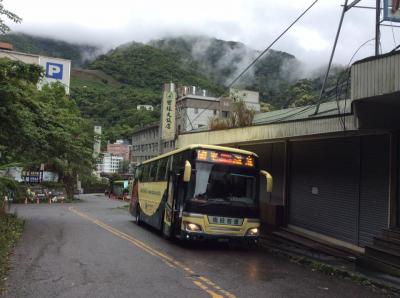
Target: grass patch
point(11, 229)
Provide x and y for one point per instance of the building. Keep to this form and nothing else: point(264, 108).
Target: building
point(110, 163)
point(145, 143)
point(97, 141)
point(251, 98)
point(145, 107)
point(120, 148)
point(335, 169)
point(194, 110)
point(55, 69)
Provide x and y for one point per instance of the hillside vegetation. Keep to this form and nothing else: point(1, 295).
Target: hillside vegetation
point(108, 88)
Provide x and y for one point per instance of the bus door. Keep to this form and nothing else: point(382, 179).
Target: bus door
point(168, 225)
point(173, 206)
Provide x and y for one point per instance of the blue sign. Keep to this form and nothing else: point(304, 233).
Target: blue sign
point(54, 71)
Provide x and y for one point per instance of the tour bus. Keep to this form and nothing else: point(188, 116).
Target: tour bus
point(201, 192)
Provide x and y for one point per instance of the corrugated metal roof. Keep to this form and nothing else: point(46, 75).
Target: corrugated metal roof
point(331, 108)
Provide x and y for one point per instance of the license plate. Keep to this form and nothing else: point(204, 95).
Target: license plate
point(218, 220)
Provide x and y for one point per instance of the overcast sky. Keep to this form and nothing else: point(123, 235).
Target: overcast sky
point(253, 22)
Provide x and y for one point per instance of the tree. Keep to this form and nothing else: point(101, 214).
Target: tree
point(12, 16)
point(301, 94)
point(124, 167)
point(69, 137)
point(42, 126)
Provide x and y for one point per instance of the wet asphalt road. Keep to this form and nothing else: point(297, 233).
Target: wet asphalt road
point(94, 249)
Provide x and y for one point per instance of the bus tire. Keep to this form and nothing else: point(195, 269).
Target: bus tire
point(138, 219)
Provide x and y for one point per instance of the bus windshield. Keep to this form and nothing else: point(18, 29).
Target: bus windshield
point(223, 183)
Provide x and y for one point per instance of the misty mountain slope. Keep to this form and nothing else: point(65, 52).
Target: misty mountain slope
point(143, 66)
point(79, 54)
point(109, 88)
point(221, 61)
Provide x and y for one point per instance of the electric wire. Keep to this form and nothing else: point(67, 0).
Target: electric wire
point(269, 47)
point(260, 55)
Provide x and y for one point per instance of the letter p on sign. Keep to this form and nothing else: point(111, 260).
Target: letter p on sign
point(54, 70)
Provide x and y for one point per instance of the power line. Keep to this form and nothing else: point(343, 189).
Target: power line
point(266, 49)
point(260, 55)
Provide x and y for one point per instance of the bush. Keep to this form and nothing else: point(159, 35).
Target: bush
point(10, 230)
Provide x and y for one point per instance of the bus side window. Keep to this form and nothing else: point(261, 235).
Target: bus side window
point(177, 162)
point(168, 167)
point(162, 167)
point(153, 171)
point(145, 173)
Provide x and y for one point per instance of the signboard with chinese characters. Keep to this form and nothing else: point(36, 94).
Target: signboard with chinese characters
point(168, 113)
point(391, 10)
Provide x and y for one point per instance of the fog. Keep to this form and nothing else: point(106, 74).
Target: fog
point(255, 23)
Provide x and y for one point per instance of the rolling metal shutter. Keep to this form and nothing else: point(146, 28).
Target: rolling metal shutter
point(324, 187)
point(374, 188)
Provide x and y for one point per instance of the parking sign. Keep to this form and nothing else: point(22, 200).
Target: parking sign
point(54, 70)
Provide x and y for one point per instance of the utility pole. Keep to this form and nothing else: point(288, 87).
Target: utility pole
point(377, 26)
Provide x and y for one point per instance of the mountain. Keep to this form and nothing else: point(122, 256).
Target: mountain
point(144, 66)
point(221, 61)
point(108, 87)
point(78, 53)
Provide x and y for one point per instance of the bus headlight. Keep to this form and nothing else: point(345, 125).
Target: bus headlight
point(192, 227)
point(253, 232)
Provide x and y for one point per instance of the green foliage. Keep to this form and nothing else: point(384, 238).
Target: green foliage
point(10, 230)
point(20, 120)
point(8, 14)
point(107, 94)
point(42, 126)
point(115, 108)
point(301, 94)
point(93, 184)
point(145, 67)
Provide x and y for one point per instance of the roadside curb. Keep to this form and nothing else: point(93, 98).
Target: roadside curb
point(344, 269)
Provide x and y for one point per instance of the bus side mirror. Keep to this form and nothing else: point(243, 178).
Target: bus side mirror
point(268, 180)
point(187, 172)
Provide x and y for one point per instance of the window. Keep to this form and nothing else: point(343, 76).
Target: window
point(196, 110)
point(162, 170)
point(224, 114)
point(153, 171)
point(215, 112)
point(145, 175)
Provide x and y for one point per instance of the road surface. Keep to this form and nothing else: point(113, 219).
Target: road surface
point(94, 249)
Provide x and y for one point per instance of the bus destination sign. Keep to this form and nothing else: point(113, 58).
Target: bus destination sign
point(225, 158)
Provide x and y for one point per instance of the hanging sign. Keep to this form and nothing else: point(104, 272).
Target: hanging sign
point(168, 115)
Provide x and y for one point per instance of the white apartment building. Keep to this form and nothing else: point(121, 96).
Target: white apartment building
point(110, 163)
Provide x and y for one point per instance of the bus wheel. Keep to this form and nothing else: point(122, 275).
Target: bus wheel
point(138, 219)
